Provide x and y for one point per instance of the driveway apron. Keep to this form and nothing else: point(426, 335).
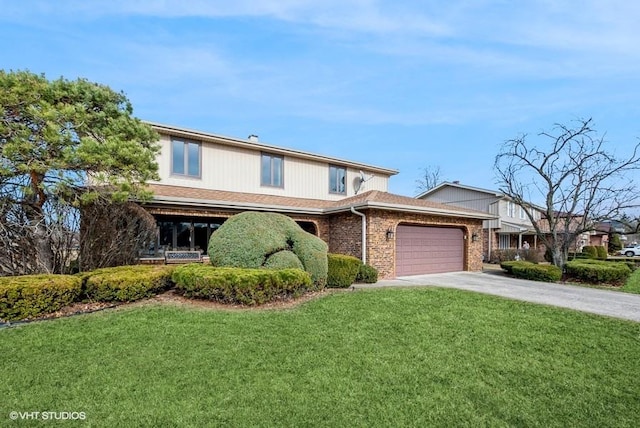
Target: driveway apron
point(603, 302)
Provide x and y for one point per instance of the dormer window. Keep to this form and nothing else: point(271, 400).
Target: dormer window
point(337, 179)
point(185, 158)
point(271, 170)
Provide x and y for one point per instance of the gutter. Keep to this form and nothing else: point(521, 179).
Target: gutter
point(364, 234)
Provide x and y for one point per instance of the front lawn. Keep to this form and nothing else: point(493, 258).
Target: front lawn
point(387, 357)
point(633, 283)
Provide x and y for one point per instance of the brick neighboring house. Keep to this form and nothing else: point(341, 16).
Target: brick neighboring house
point(207, 178)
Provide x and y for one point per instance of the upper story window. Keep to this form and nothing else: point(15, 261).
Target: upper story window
point(271, 170)
point(185, 158)
point(523, 214)
point(337, 178)
point(511, 209)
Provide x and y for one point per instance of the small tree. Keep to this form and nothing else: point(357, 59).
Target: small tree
point(579, 182)
point(615, 243)
point(62, 144)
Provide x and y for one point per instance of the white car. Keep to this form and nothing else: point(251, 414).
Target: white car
point(630, 251)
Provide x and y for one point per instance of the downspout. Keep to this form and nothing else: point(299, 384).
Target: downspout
point(364, 234)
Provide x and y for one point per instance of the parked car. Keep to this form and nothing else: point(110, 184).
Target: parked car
point(630, 251)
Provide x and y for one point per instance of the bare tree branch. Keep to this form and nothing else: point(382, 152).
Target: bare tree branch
point(578, 180)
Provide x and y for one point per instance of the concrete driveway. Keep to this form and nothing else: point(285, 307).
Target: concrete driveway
point(611, 303)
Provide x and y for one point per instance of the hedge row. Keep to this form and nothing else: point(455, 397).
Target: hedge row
point(598, 272)
point(585, 270)
point(30, 296)
point(23, 297)
point(532, 271)
point(126, 283)
point(237, 285)
point(34, 295)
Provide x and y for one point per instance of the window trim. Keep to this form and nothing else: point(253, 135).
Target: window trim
point(185, 153)
point(272, 156)
point(344, 184)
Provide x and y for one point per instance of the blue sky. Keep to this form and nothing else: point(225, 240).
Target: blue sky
point(399, 84)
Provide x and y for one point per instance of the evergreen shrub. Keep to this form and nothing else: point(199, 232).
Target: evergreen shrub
point(30, 296)
point(343, 270)
point(239, 285)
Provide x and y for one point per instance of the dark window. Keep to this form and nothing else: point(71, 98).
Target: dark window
point(200, 236)
point(337, 178)
point(165, 234)
point(185, 158)
point(183, 236)
point(271, 170)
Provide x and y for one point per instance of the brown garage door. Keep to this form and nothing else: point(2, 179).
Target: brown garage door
point(422, 249)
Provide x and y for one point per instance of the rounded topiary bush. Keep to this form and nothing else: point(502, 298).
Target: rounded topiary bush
point(283, 260)
point(343, 270)
point(30, 296)
point(239, 285)
point(601, 252)
point(126, 283)
point(250, 239)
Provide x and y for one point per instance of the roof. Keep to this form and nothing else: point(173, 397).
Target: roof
point(373, 199)
point(255, 145)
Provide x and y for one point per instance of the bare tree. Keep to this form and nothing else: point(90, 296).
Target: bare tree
point(579, 182)
point(114, 234)
point(431, 177)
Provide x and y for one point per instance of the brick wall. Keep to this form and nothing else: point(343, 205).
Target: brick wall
point(345, 234)
point(345, 237)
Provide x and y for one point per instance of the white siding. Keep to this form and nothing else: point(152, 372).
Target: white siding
point(465, 198)
point(238, 170)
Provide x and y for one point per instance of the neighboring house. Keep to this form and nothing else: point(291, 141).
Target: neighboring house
point(207, 178)
point(509, 229)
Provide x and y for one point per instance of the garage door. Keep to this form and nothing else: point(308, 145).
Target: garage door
point(421, 249)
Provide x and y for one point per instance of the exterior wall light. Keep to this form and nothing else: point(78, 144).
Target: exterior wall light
point(474, 237)
point(390, 234)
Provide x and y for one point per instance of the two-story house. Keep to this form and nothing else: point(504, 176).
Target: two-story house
point(207, 178)
point(510, 228)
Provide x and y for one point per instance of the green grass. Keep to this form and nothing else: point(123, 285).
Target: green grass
point(391, 357)
point(633, 283)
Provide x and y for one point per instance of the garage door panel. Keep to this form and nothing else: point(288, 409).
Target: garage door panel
point(422, 249)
